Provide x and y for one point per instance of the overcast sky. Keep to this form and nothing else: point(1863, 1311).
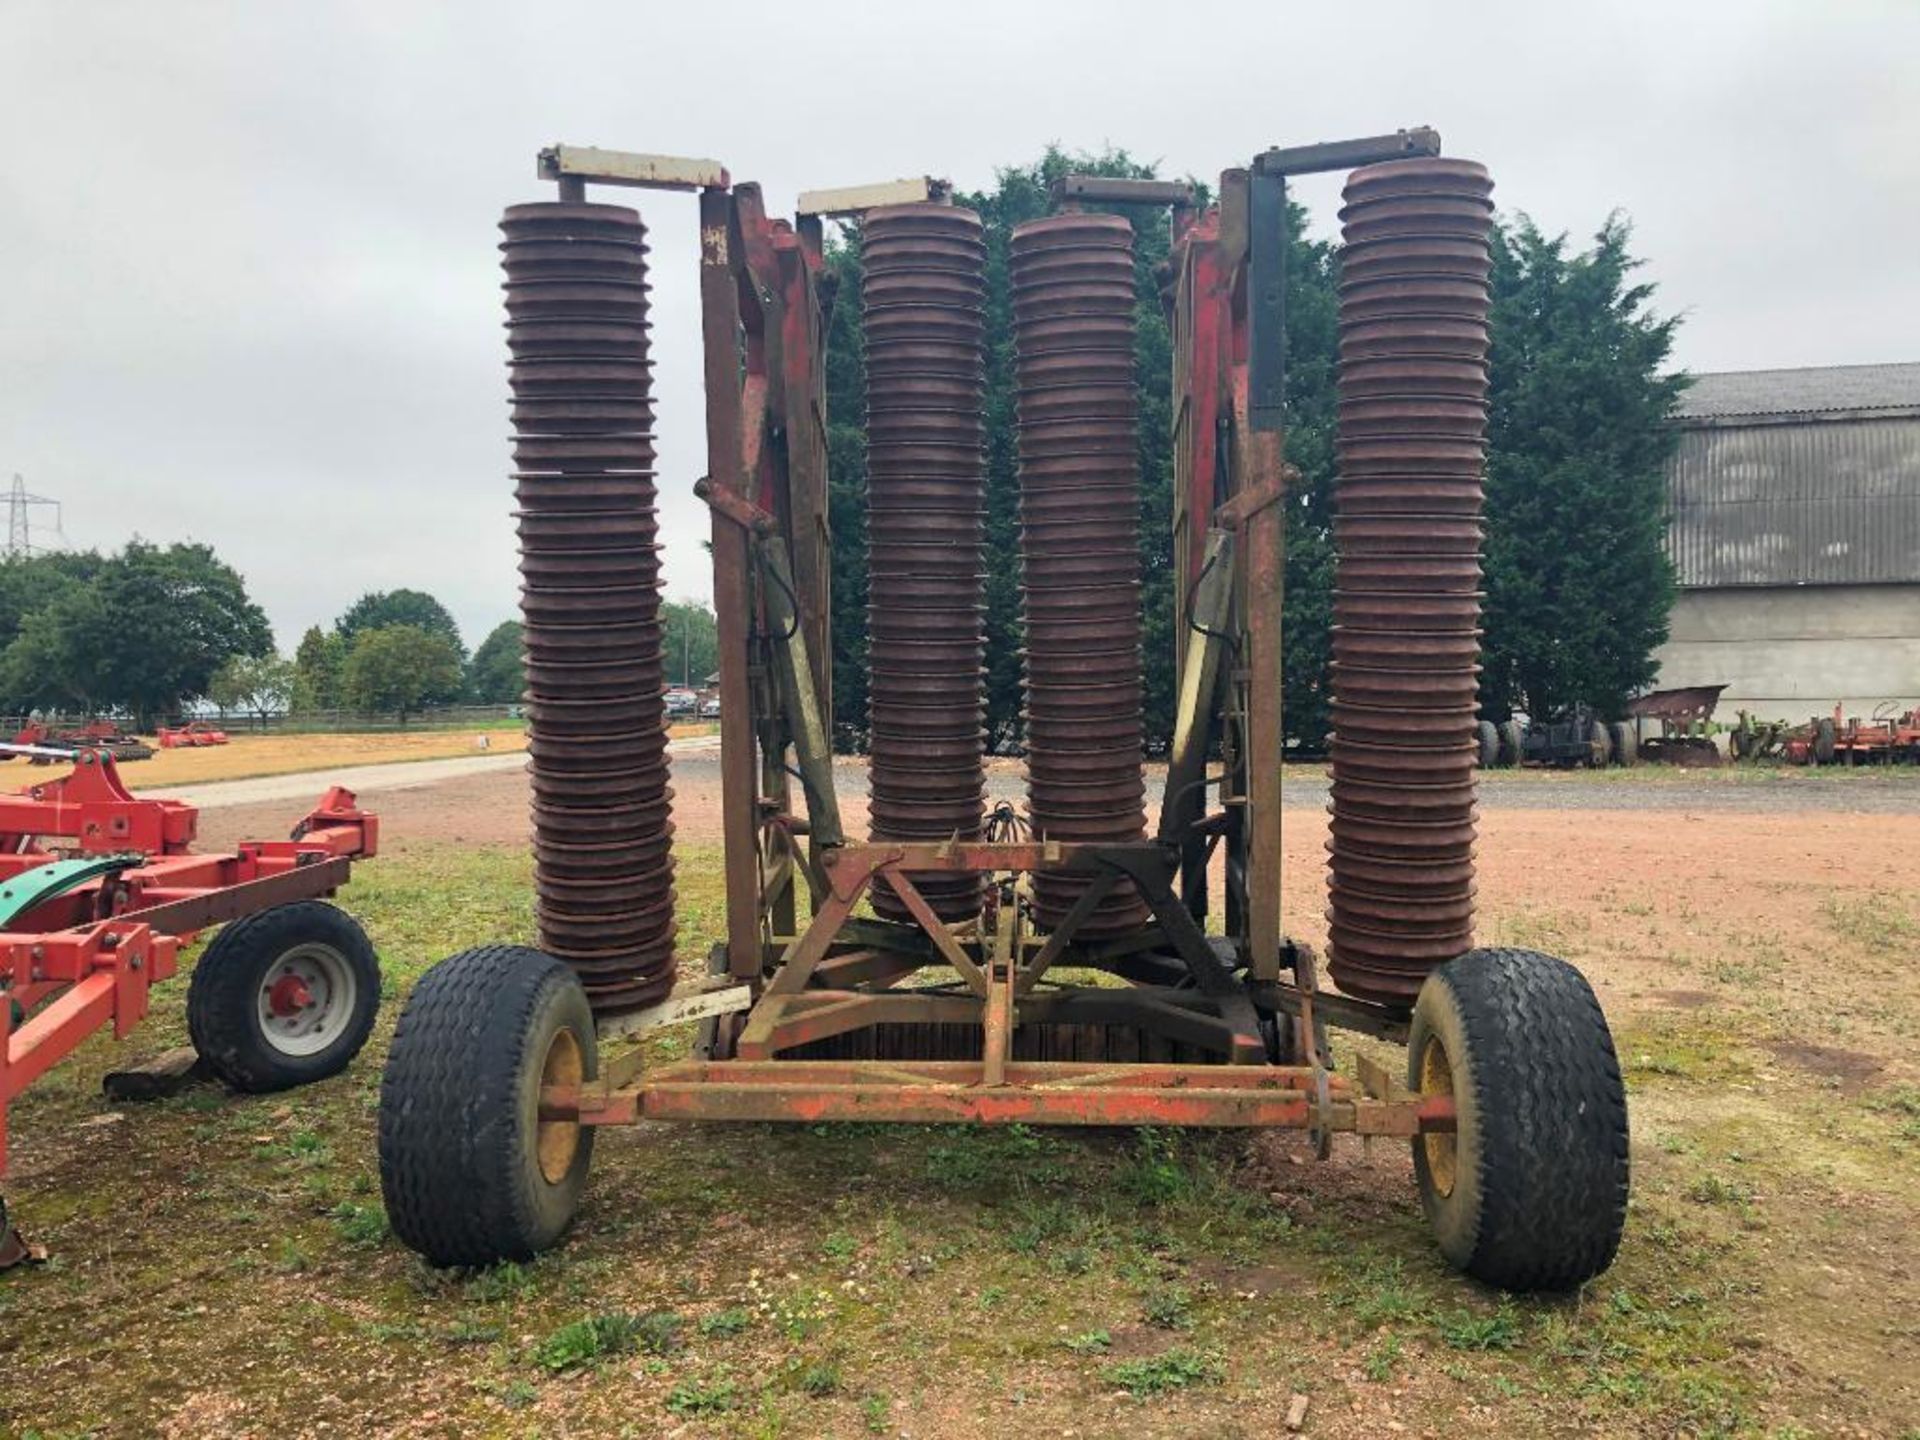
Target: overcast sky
point(248, 285)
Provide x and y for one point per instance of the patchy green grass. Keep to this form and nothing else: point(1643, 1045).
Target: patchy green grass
point(846, 1279)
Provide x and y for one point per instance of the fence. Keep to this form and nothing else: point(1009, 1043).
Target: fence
point(439, 717)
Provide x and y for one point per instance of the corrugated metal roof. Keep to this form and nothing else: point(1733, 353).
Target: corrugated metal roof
point(1834, 502)
point(1828, 389)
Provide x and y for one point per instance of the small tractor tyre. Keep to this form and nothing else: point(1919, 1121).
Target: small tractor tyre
point(1826, 742)
point(1530, 1191)
point(1600, 744)
point(1489, 745)
point(284, 997)
point(1513, 743)
point(470, 1173)
point(1626, 743)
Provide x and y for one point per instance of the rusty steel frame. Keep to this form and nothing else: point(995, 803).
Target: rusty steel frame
point(765, 304)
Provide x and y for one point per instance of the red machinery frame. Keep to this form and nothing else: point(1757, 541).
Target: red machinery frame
point(76, 961)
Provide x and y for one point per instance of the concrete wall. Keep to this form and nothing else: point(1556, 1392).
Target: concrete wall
point(1788, 653)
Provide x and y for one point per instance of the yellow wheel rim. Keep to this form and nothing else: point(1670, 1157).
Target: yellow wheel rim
point(557, 1141)
point(1436, 1078)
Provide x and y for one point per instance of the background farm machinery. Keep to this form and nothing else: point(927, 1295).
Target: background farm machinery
point(48, 742)
point(100, 890)
point(1068, 963)
point(1891, 736)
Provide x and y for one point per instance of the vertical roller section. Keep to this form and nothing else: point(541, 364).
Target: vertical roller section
point(1413, 410)
point(583, 470)
point(1073, 302)
point(924, 292)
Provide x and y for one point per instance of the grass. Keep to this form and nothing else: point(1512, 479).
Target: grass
point(1175, 1370)
point(843, 1279)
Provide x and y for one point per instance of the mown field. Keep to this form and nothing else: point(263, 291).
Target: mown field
point(221, 1265)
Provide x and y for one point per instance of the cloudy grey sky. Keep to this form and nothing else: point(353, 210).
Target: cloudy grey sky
point(247, 277)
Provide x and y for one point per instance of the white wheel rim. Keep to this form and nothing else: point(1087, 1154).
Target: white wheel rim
point(306, 999)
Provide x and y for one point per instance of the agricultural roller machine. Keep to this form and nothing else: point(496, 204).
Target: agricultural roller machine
point(49, 743)
point(936, 970)
point(194, 735)
point(99, 891)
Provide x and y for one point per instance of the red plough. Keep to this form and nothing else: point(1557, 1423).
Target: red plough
point(99, 890)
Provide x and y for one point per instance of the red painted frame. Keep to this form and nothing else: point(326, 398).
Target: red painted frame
point(86, 958)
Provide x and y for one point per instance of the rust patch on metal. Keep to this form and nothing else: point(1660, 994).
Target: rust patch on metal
point(1073, 296)
point(923, 293)
point(589, 535)
point(1412, 417)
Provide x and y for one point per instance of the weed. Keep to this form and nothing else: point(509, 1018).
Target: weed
point(585, 1341)
point(820, 1379)
point(1383, 1357)
point(1377, 1293)
point(382, 1332)
point(505, 1281)
point(877, 1410)
point(517, 1394)
point(1169, 1308)
point(1175, 1370)
point(1073, 1260)
point(725, 1324)
point(471, 1332)
point(711, 1395)
point(658, 1331)
point(839, 1246)
point(1464, 1330)
point(291, 1258)
point(360, 1224)
point(1715, 1190)
point(1154, 1174)
point(1089, 1342)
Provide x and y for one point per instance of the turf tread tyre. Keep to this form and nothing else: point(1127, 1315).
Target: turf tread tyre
point(1513, 743)
point(458, 1107)
point(1626, 743)
point(1600, 744)
point(1540, 1190)
point(1489, 740)
point(223, 997)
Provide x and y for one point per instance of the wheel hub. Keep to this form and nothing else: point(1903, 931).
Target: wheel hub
point(288, 995)
point(557, 1141)
point(1436, 1078)
point(306, 999)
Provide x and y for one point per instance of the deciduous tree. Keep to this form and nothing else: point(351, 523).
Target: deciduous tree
point(380, 608)
point(401, 668)
point(494, 675)
point(259, 684)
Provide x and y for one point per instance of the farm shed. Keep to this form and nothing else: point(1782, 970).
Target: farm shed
point(1796, 539)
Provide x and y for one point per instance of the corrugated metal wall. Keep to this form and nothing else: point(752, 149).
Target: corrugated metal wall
point(1815, 503)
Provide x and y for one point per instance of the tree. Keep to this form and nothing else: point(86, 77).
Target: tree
point(1578, 581)
point(494, 676)
point(145, 632)
point(317, 664)
point(262, 684)
point(692, 643)
point(379, 608)
point(401, 668)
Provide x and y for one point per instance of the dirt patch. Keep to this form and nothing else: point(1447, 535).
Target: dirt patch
point(1851, 1071)
point(1684, 999)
